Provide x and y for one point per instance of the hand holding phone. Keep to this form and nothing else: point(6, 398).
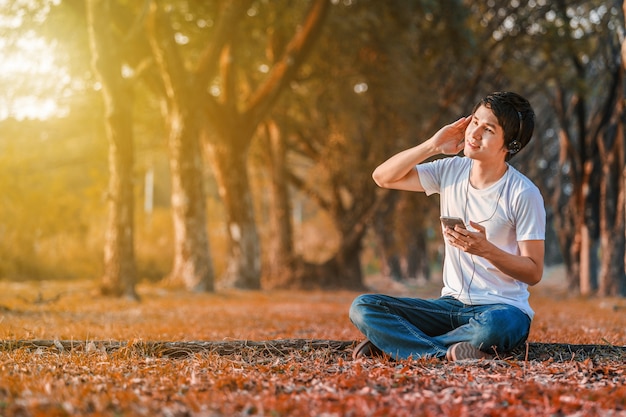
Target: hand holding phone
point(451, 222)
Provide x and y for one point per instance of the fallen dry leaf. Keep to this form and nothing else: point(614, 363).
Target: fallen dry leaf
point(284, 354)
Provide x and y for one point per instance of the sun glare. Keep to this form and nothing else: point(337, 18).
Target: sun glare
point(31, 80)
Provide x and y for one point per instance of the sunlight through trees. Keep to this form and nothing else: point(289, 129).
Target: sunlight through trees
point(247, 111)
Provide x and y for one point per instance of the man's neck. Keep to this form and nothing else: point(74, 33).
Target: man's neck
point(484, 174)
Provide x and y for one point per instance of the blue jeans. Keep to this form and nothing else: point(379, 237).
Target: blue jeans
point(412, 327)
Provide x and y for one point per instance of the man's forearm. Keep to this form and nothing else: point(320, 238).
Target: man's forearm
point(397, 167)
point(520, 267)
point(398, 171)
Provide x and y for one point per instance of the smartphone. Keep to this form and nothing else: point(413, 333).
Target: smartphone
point(452, 221)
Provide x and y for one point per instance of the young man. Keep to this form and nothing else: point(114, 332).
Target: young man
point(490, 259)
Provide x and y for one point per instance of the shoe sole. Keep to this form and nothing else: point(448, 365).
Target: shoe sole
point(465, 351)
point(365, 349)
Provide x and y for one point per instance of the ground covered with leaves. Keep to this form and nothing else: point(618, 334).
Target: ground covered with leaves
point(65, 351)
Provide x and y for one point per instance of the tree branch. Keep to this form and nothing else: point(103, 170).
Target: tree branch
point(294, 54)
point(166, 54)
point(206, 67)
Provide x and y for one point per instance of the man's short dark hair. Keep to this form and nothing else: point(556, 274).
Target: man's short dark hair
point(509, 108)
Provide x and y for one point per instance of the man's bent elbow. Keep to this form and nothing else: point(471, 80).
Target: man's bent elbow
point(410, 182)
point(377, 177)
point(536, 278)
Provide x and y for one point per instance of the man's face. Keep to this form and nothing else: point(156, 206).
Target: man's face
point(484, 137)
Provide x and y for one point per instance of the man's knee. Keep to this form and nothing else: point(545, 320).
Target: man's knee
point(361, 306)
point(503, 327)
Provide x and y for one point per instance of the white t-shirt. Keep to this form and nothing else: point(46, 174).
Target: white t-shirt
point(511, 210)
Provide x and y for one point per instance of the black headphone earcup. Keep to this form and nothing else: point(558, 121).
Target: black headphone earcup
point(515, 147)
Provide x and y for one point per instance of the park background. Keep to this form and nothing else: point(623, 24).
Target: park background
point(230, 144)
point(187, 210)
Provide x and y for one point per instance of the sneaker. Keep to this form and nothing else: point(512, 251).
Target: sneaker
point(464, 351)
point(366, 349)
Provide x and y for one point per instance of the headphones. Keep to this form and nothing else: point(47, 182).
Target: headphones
point(515, 146)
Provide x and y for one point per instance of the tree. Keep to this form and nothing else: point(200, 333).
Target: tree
point(384, 76)
point(621, 130)
point(373, 98)
point(181, 111)
point(281, 257)
point(228, 119)
point(119, 259)
point(589, 113)
point(570, 47)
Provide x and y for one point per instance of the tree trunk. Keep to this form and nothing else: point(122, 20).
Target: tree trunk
point(582, 220)
point(411, 229)
point(383, 225)
point(586, 286)
point(621, 137)
point(569, 241)
point(182, 112)
point(418, 259)
point(342, 271)
point(612, 279)
point(612, 273)
point(281, 254)
point(119, 276)
point(244, 253)
point(573, 165)
point(192, 264)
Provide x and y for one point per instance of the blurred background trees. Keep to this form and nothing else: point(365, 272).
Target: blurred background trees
point(230, 144)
